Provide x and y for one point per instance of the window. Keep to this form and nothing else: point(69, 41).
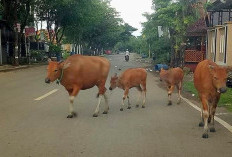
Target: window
point(213, 44)
point(222, 44)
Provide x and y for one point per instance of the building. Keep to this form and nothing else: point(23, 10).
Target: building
point(196, 44)
point(219, 33)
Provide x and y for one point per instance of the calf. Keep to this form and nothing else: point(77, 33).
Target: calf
point(210, 81)
point(134, 77)
point(172, 77)
point(79, 72)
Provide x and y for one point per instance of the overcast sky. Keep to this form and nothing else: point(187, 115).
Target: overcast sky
point(131, 11)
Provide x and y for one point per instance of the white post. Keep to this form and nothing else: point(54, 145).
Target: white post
point(0, 47)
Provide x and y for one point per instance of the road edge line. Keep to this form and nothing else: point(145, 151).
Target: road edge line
point(219, 120)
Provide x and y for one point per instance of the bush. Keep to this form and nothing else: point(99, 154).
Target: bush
point(186, 70)
point(54, 50)
point(38, 55)
point(65, 54)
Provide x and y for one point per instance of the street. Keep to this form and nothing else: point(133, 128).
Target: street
point(34, 125)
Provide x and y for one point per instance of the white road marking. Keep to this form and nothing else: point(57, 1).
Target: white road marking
point(46, 95)
point(218, 114)
point(219, 120)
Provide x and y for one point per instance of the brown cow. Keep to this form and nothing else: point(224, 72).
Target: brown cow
point(172, 77)
point(79, 72)
point(210, 82)
point(134, 77)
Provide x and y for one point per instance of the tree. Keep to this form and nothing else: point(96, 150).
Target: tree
point(17, 12)
point(173, 17)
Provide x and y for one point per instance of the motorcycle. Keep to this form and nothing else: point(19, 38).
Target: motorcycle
point(127, 58)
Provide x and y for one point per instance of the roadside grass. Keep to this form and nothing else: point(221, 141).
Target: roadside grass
point(225, 100)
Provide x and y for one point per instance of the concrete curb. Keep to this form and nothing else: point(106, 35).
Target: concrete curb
point(7, 69)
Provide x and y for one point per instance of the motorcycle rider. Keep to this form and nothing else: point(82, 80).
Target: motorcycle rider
point(127, 53)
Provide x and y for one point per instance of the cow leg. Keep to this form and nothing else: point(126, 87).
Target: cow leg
point(129, 104)
point(72, 94)
point(144, 94)
point(106, 104)
point(97, 108)
point(124, 97)
point(101, 92)
point(170, 90)
point(179, 86)
point(139, 96)
point(205, 115)
point(213, 110)
point(201, 123)
point(144, 99)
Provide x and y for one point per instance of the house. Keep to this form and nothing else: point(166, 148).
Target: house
point(219, 33)
point(195, 51)
point(196, 33)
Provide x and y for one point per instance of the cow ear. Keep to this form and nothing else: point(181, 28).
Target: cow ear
point(66, 65)
point(49, 60)
point(115, 74)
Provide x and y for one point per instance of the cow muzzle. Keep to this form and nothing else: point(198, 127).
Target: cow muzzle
point(222, 90)
point(47, 80)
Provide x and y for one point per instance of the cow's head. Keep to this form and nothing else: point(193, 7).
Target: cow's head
point(219, 77)
point(113, 82)
point(52, 71)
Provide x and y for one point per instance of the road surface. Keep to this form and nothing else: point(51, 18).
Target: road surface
point(33, 121)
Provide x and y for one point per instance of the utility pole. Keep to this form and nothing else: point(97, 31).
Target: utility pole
point(0, 47)
point(16, 30)
point(16, 48)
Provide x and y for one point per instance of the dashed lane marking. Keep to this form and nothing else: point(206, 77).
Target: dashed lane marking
point(46, 95)
point(219, 120)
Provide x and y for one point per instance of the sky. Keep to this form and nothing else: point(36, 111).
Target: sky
point(131, 12)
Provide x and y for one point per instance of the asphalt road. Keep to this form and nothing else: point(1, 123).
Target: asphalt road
point(39, 128)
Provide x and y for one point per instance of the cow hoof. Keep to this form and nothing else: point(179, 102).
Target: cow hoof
point(70, 116)
point(201, 124)
point(121, 109)
point(95, 115)
point(205, 135)
point(143, 106)
point(128, 107)
point(105, 112)
point(169, 103)
point(212, 130)
point(137, 106)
